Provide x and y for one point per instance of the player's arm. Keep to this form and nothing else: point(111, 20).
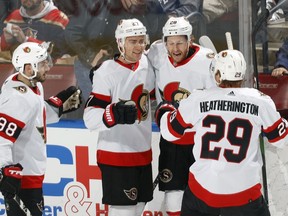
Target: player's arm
point(274, 127)
point(100, 112)
point(172, 126)
point(168, 117)
point(277, 132)
point(65, 101)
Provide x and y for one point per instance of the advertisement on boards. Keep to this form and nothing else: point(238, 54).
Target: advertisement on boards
point(72, 184)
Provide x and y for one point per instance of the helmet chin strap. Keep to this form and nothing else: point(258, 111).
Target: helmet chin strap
point(31, 79)
point(122, 53)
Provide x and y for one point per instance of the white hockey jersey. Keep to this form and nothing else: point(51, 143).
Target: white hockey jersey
point(227, 122)
point(23, 129)
point(175, 82)
point(122, 145)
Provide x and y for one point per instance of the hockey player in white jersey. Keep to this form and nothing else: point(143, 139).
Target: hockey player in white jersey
point(225, 177)
point(180, 66)
point(23, 117)
point(119, 108)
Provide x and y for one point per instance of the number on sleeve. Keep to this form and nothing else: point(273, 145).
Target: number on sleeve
point(10, 128)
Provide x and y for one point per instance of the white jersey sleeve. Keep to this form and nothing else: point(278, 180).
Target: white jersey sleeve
point(101, 91)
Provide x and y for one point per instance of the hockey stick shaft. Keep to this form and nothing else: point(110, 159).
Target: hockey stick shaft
point(229, 40)
point(156, 181)
point(264, 173)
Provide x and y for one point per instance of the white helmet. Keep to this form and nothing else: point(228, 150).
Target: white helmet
point(128, 28)
point(29, 53)
point(177, 26)
point(231, 65)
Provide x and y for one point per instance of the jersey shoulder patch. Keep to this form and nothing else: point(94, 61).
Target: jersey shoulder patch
point(21, 89)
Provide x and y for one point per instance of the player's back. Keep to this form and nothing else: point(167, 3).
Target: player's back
point(228, 122)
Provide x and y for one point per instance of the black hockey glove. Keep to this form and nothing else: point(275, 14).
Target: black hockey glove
point(10, 180)
point(164, 106)
point(123, 112)
point(67, 100)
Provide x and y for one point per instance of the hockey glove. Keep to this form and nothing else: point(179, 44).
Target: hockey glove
point(123, 112)
point(164, 106)
point(67, 100)
point(10, 180)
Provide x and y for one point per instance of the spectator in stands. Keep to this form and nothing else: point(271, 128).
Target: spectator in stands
point(6, 7)
point(281, 65)
point(179, 8)
point(279, 15)
point(213, 9)
point(36, 21)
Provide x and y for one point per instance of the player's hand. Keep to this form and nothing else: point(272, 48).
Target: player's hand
point(123, 112)
point(67, 100)
point(164, 106)
point(10, 180)
point(277, 72)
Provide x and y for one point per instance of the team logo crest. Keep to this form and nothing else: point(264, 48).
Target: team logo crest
point(141, 97)
point(26, 49)
point(21, 89)
point(224, 54)
point(29, 32)
point(166, 175)
point(173, 92)
point(132, 193)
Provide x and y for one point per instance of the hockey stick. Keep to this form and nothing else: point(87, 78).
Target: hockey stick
point(229, 40)
point(264, 173)
point(205, 41)
point(156, 181)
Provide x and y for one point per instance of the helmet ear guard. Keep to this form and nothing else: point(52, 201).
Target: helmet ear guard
point(229, 64)
point(177, 26)
point(29, 53)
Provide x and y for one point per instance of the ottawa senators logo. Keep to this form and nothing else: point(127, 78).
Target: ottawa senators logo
point(141, 97)
point(172, 92)
point(26, 49)
point(29, 32)
point(166, 175)
point(224, 54)
point(131, 193)
point(21, 89)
